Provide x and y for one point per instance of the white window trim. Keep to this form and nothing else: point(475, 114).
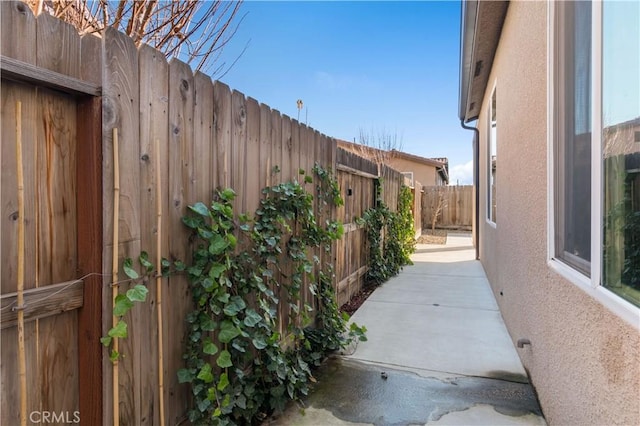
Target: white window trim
point(590, 285)
point(488, 162)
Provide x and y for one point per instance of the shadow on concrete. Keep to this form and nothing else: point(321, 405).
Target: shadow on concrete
point(441, 249)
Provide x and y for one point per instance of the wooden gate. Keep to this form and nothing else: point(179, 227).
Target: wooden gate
point(59, 116)
point(356, 178)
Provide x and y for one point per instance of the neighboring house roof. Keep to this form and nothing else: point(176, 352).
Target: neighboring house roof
point(441, 164)
point(481, 25)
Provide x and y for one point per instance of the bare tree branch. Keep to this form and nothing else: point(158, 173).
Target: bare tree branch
point(195, 31)
point(379, 146)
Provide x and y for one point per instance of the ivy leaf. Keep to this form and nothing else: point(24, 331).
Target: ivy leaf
point(200, 209)
point(223, 382)
point(179, 265)
point(205, 374)
point(241, 401)
point(252, 318)
point(217, 244)
point(113, 356)
point(216, 270)
point(137, 293)
point(232, 240)
point(208, 324)
point(224, 360)
point(208, 284)
point(195, 271)
point(259, 342)
point(209, 347)
point(122, 305)
point(106, 341)
point(234, 306)
point(203, 404)
point(166, 267)
point(192, 222)
point(144, 261)
point(205, 233)
point(127, 267)
point(185, 375)
point(120, 330)
point(228, 332)
point(308, 179)
point(228, 194)
point(224, 298)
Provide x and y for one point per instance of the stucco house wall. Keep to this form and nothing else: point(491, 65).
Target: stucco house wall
point(423, 173)
point(584, 360)
point(426, 171)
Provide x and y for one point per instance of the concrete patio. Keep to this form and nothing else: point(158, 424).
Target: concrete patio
point(437, 353)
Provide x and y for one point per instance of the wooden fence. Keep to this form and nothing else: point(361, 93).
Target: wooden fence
point(356, 177)
point(178, 131)
point(457, 206)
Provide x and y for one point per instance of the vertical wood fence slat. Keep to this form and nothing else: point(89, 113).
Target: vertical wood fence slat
point(58, 44)
point(154, 125)
point(265, 147)
point(239, 149)
point(222, 119)
point(253, 187)
point(204, 148)
point(18, 26)
point(181, 155)
point(121, 110)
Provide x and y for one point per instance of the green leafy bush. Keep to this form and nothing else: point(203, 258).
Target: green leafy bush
point(390, 236)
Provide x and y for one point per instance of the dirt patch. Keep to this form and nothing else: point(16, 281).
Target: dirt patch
point(357, 300)
point(438, 236)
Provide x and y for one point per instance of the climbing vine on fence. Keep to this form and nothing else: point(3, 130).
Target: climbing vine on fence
point(390, 236)
point(243, 361)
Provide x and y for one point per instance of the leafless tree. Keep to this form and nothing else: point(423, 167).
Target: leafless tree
point(437, 203)
point(379, 145)
point(195, 31)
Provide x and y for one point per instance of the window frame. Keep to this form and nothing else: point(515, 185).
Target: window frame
point(490, 197)
point(591, 285)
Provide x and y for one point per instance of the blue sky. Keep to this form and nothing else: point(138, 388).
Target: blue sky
point(370, 65)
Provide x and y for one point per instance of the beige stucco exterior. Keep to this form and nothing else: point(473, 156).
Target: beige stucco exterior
point(584, 359)
point(426, 171)
point(426, 174)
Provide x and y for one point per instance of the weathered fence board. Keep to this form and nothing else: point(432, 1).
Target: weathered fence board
point(181, 176)
point(457, 206)
point(222, 137)
point(154, 125)
point(18, 30)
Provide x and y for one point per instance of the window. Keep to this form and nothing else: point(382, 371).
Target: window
point(573, 136)
point(621, 148)
point(492, 159)
point(595, 146)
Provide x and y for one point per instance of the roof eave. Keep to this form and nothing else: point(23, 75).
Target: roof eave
point(481, 25)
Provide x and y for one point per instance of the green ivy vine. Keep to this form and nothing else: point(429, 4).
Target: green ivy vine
point(124, 302)
point(388, 255)
point(243, 361)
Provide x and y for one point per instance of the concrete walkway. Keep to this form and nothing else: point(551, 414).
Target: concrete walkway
point(438, 353)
